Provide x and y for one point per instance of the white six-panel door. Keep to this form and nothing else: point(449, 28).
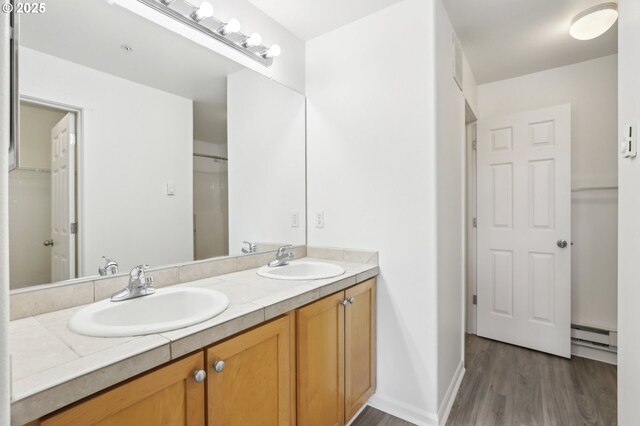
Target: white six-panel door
point(524, 218)
point(63, 210)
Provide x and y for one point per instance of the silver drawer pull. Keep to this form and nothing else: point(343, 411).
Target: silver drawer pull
point(352, 300)
point(218, 366)
point(199, 375)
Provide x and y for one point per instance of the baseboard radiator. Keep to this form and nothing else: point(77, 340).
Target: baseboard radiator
point(594, 338)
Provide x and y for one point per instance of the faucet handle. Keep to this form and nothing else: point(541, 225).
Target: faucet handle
point(283, 249)
point(251, 247)
point(110, 267)
point(137, 273)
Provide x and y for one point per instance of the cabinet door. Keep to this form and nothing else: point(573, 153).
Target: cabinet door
point(359, 346)
point(320, 367)
point(254, 387)
point(167, 396)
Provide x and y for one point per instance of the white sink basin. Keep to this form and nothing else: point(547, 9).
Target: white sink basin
point(302, 270)
point(167, 309)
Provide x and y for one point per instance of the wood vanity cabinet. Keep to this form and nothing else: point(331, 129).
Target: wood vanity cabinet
point(250, 377)
point(167, 396)
point(312, 367)
point(336, 356)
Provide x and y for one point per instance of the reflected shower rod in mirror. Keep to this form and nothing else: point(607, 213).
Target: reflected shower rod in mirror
point(214, 157)
point(201, 18)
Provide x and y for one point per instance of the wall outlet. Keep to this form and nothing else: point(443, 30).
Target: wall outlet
point(629, 146)
point(319, 220)
point(295, 219)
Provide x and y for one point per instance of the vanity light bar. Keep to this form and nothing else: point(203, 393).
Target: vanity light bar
point(201, 18)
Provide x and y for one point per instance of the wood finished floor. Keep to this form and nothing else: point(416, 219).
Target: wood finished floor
point(373, 417)
point(510, 385)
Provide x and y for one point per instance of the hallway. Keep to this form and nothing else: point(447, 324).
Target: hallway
point(510, 385)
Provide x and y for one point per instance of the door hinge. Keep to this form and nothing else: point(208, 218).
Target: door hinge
point(475, 299)
point(474, 145)
point(475, 222)
point(73, 229)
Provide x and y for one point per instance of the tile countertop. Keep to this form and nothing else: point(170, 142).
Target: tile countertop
point(53, 367)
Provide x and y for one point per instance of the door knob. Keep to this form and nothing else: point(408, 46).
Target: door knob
point(562, 243)
point(218, 366)
point(48, 243)
point(199, 375)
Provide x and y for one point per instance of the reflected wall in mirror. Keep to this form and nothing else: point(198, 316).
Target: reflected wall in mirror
point(140, 145)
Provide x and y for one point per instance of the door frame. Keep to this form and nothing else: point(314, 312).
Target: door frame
point(470, 228)
point(79, 154)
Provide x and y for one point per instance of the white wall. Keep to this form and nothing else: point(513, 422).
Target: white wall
point(371, 169)
point(469, 85)
point(287, 69)
point(629, 212)
point(450, 165)
point(266, 145)
point(590, 87)
point(136, 139)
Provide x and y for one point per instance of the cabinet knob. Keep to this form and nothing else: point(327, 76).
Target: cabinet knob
point(218, 366)
point(199, 375)
point(345, 302)
point(352, 300)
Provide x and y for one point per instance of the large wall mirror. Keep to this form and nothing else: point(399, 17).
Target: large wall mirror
point(138, 144)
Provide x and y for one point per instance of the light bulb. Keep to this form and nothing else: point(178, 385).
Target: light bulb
point(272, 52)
point(233, 26)
point(253, 40)
point(204, 11)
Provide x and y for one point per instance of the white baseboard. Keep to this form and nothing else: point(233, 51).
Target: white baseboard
point(594, 353)
point(450, 397)
point(403, 411)
point(415, 415)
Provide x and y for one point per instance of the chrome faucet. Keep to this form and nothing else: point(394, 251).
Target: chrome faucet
point(283, 256)
point(139, 285)
point(251, 247)
point(110, 267)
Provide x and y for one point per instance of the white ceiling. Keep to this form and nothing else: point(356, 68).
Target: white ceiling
point(91, 33)
point(310, 18)
point(508, 38)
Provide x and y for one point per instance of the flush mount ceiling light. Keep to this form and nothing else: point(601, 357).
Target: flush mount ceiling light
point(594, 22)
point(201, 19)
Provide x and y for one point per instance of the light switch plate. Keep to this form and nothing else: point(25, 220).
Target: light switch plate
point(319, 220)
point(171, 188)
